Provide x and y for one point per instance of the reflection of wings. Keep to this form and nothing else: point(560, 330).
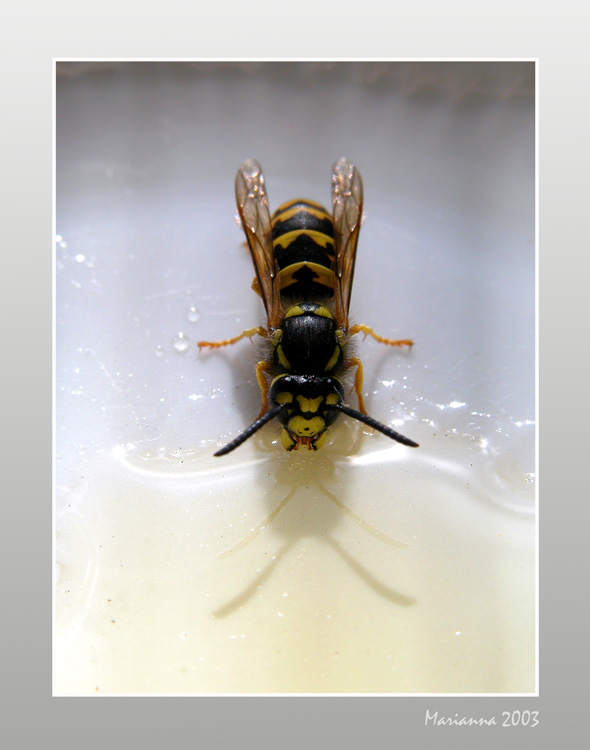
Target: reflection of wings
point(253, 209)
point(347, 208)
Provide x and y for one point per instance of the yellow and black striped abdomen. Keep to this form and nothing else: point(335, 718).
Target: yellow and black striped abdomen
point(303, 243)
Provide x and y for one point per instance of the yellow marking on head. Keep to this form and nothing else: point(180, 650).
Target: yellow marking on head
point(306, 427)
point(310, 404)
point(321, 239)
point(332, 398)
point(333, 359)
point(284, 397)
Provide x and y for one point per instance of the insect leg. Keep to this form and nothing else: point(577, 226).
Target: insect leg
point(360, 328)
point(358, 381)
point(247, 333)
point(261, 368)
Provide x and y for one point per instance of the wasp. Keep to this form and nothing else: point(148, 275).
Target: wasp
point(304, 260)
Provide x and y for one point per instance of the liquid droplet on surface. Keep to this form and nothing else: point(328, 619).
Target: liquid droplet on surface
point(159, 351)
point(193, 314)
point(180, 342)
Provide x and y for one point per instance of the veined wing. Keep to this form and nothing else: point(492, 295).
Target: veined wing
point(255, 216)
point(347, 209)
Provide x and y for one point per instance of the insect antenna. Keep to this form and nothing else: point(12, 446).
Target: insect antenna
point(249, 431)
point(374, 424)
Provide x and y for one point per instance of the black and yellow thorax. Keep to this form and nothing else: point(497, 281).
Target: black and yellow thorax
point(308, 341)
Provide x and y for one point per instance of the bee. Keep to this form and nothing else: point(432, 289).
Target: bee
point(304, 259)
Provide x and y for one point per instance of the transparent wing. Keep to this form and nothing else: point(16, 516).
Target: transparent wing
point(255, 216)
point(347, 209)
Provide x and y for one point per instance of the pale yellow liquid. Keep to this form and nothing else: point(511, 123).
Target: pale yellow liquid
point(389, 571)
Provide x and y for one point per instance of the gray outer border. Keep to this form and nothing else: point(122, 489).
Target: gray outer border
point(36, 32)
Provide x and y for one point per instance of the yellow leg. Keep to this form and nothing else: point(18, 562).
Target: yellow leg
point(358, 381)
point(261, 368)
point(248, 333)
point(359, 328)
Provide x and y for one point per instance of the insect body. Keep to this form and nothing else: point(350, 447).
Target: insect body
point(304, 260)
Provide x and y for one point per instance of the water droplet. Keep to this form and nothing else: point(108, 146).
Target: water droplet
point(180, 342)
point(456, 404)
point(159, 351)
point(193, 314)
point(80, 257)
